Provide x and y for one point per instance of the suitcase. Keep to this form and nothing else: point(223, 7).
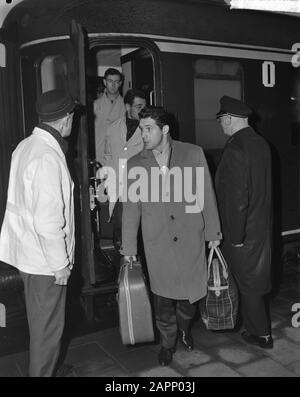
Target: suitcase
point(135, 316)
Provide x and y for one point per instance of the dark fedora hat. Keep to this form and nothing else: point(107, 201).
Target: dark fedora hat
point(233, 107)
point(54, 105)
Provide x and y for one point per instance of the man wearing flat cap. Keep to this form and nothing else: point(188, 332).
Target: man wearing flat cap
point(37, 235)
point(243, 187)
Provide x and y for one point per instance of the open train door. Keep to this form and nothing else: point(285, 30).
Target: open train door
point(10, 110)
point(77, 84)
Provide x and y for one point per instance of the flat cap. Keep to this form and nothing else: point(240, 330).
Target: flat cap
point(233, 107)
point(54, 105)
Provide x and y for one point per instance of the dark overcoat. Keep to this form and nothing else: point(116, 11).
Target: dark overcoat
point(174, 240)
point(243, 187)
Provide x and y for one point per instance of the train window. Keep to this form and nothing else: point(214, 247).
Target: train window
point(212, 80)
point(53, 71)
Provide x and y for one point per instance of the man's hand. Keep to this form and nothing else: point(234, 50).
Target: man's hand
point(128, 258)
point(214, 243)
point(102, 173)
point(62, 276)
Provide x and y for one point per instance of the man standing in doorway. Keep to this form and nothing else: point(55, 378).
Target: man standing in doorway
point(37, 235)
point(108, 107)
point(243, 187)
point(123, 141)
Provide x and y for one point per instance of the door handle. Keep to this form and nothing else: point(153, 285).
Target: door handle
point(152, 98)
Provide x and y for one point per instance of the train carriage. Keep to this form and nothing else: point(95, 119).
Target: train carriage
point(185, 55)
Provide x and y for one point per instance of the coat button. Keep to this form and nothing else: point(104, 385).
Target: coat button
point(172, 217)
point(175, 239)
point(125, 148)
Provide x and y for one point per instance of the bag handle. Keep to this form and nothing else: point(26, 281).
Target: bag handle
point(221, 259)
point(223, 262)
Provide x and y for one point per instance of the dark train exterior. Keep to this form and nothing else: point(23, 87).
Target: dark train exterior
point(185, 55)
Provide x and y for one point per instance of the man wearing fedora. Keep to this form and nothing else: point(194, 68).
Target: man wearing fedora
point(37, 235)
point(243, 187)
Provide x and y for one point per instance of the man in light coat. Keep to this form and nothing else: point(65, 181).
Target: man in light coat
point(174, 229)
point(108, 108)
point(123, 141)
point(37, 235)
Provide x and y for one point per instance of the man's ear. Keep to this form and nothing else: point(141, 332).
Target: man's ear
point(165, 129)
point(66, 120)
point(228, 120)
point(127, 107)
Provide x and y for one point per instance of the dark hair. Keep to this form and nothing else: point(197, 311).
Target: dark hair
point(131, 94)
point(157, 113)
point(113, 71)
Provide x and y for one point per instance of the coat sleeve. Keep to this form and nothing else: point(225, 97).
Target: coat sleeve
point(48, 211)
point(212, 227)
point(131, 217)
point(237, 194)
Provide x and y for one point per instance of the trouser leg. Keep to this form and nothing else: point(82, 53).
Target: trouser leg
point(117, 225)
point(165, 316)
point(185, 312)
point(45, 306)
point(255, 315)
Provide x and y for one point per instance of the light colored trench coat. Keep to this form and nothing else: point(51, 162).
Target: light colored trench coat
point(37, 234)
point(174, 240)
point(105, 113)
point(117, 152)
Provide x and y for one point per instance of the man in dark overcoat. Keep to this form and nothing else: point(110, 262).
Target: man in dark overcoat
point(174, 227)
point(243, 187)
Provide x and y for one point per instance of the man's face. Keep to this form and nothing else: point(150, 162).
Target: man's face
point(152, 134)
point(134, 109)
point(225, 122)
point(112, 83)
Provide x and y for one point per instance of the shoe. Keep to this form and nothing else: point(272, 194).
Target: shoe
point(186, 339)
point(265, 342)
point(165, 356)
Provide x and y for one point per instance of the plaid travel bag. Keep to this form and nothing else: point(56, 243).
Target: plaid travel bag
point(135, 315)
point(219, 307)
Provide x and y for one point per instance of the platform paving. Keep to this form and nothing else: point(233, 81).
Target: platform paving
point(215, 354)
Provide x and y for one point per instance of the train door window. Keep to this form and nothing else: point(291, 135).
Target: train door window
point(212, 80)
point(53, 73)
point(135, 63)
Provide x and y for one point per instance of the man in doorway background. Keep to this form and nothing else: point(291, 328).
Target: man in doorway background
point(108, 107)
point(37, 235)
point(243, 187)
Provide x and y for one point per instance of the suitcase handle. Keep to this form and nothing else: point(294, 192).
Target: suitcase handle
point(124, 264)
